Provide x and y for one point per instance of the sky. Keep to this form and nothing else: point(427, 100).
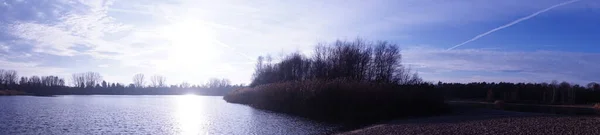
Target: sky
point(194, 40)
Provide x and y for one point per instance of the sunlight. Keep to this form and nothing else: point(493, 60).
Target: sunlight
point(189, 115)
point(192, 45)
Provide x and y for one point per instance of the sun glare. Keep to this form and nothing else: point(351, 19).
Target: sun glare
point(189, 115)
point(192, 45)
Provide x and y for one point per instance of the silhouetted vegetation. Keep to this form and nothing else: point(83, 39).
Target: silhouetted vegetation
point(534, 93)
point(358, 81)
point(342, 100)
point(92, 83)
point(357, 60)
point(344, 81)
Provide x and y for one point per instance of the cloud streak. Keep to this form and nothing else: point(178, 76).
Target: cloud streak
point(493, 65)
point(512, 23)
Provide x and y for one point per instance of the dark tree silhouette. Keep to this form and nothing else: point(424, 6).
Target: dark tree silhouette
point(356, 60)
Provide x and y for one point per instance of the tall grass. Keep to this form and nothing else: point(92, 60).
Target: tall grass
point(11, 92)
point(341, 100)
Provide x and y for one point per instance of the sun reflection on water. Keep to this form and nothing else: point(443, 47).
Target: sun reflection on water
point(189, 115)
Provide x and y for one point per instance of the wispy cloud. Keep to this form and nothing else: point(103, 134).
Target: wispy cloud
point(191, 40)
point(83, 25)
point(513, 23)
point(3, 48)
point(537, 66)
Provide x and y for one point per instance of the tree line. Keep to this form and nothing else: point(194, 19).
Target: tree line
point(93, 83)
point(536, 93)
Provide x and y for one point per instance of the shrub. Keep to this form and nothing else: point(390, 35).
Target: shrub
point(342, 100)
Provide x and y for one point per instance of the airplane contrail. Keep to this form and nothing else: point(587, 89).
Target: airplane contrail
point(513, 23)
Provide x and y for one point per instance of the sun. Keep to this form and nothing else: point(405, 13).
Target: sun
point(191, 45)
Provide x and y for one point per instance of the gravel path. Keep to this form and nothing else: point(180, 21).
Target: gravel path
point(492, 122)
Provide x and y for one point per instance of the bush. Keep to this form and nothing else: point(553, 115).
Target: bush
point(342, 100)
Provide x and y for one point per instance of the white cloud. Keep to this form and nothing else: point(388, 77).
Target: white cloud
point(3, 47)
point(75, 27)
point(32, 68)
point(46, 39)
point(191, 39)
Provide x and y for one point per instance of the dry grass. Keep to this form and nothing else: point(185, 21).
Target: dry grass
point(11, 92)
point(342, 100)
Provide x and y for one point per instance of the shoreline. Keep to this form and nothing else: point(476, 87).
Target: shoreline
point(487, 121)
point(13, 93)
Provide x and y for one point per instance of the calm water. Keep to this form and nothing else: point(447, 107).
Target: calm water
point(144, 115)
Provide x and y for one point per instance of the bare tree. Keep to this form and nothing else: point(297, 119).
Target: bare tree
point(139, 80)
point(52, 81)
point(86, 80)
point(2, 80)
point(92, 79)
point(24, 81)
point(158, 81)
point(217, 83)
point(35, 81)
point(593, 86)
point(355, 60)
point(184, 85)
point(78, 80)
point(8, 78)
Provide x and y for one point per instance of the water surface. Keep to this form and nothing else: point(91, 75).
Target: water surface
point(184, 114)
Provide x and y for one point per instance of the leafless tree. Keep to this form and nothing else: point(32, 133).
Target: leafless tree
point(92, 79)
point(184, 85)
point(35, 81)
point(593, 86)
point(139, 80)
point(78, 80)
point(8, 78)
point(52, 81)
point(86, 80)
point(217, 83)
point(357, 60)
point(158, 81)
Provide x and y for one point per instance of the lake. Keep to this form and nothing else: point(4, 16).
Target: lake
point(184, 114)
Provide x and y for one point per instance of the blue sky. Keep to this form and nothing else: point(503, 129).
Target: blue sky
point(193, 40)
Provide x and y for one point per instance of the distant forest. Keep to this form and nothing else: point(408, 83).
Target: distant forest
point(90, 83)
